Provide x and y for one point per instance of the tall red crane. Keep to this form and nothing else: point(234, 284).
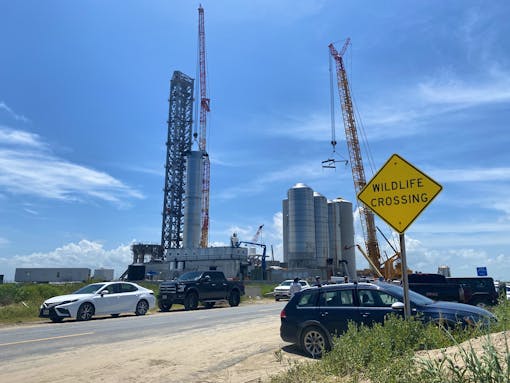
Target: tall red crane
point(204, 109)
point(358, 172)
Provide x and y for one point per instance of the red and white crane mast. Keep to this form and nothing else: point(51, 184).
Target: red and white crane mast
point(358, 171)
point(204, 109)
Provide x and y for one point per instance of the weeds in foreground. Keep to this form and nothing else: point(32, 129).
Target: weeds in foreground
point(386, 354)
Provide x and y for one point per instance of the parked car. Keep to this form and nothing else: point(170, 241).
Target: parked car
point(109, 298)
point(508, 292)
point(312, 317)
point(208, 287)
point(282, 291)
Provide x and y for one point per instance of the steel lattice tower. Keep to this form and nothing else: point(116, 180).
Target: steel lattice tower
point(180, 120)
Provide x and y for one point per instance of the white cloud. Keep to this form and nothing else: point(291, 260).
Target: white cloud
point(472, 174)
point(306, 171)
point(12, 114)
point(26, 169)
point(85, 253)
point(458, 93)
point(19, 137)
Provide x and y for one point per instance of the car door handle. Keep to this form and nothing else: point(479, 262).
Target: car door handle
point(365, 315)
point(324, 313)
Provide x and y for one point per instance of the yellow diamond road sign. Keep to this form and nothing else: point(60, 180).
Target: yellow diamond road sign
point(399, 192)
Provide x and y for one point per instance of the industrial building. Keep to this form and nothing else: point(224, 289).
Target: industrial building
point(318, 235)
point(52, 274)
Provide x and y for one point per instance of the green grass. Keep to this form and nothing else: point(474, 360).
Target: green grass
point(386, 354)
point(19, 303)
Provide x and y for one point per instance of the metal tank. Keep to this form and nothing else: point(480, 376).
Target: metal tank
point(348, 255)
point(321, 229)
point(335, 237)
point(285, 223)
point(301, 234)
point(193, 200)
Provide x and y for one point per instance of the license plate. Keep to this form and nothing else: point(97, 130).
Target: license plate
point(46, 312)
point(163, 296)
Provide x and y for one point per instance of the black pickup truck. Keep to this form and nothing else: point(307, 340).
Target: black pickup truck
point(476, 291)
point(436, 287)
point(193, 287)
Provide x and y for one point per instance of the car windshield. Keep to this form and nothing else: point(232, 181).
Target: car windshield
point(190, 276)
point(286, 283)
point(90, 289)
point(414, 297)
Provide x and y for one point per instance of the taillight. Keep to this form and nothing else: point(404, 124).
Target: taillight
point(283, 315)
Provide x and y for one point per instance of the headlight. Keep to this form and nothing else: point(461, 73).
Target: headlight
point(181, 288)
point(66, 302)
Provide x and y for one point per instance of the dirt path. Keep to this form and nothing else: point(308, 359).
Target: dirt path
point(243, 352)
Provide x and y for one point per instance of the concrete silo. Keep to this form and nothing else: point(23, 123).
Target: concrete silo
point(301, 224)
point(193, 202)
point(321, 229)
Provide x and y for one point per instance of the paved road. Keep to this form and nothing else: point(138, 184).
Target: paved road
point(48, 338)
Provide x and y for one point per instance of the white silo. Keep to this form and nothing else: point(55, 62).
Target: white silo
point(335, 235)
point(301, 235)
point(321, 229)
point(193, 200)
point(285, 223)
point(341, 237)
point(347, 234)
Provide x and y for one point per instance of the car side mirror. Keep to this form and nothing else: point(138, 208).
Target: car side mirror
point(397, 306)
point(104, 292)
point(207, 278)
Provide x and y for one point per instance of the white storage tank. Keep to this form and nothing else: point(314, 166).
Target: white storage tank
point(347, 236)
point(321, 229)
point(335, 234)
point(285, 218)
point(301, 236)
point(192, 224)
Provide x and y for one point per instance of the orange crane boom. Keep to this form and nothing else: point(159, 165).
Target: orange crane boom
point(204, 109)
point(358, 171)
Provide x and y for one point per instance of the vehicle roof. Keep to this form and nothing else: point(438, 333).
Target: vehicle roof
point(350, 285)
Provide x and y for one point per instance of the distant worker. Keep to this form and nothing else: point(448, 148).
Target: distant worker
point(295, 286)
point(346, 279)
point(317, 281)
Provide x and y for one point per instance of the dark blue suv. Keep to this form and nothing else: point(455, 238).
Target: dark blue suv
point(313, 316)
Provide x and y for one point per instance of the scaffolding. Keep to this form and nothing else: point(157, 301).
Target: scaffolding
point(179, 142)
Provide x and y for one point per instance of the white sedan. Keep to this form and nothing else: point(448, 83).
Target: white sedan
point(109, 298)
point(282, 291)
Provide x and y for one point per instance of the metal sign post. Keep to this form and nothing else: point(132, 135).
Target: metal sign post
point(405, 280)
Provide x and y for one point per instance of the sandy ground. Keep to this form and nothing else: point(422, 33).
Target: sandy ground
point(498, 342)
point(241, 352)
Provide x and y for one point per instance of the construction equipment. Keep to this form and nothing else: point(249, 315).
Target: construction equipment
point(372, 253)
point(204, 109)
point(257, 234)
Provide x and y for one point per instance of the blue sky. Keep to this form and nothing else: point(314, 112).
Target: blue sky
point(83, 108)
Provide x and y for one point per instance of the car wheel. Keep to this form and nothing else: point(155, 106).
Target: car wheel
point(314, 342)
point(85, 312)
point(191, 301)
point(56, 319)
point(209, 305)
point(115, 315)
point(163, 306)
point(142, 307)
point(277, 299)
point(234, 298)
